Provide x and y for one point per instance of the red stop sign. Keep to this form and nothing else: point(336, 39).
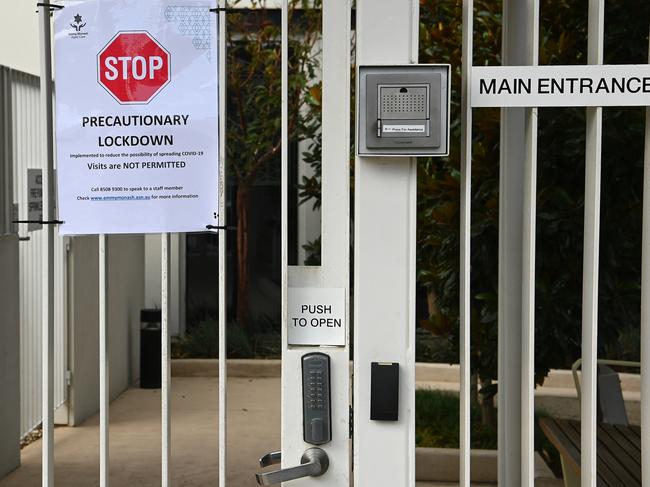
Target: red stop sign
point(133, 67)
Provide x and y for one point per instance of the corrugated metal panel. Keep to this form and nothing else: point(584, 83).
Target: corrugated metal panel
point(27, 139)
point(6, 170)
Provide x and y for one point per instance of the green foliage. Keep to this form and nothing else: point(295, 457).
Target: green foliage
point(254, 92)
point(261, 339)
point(439, 187)
point(309, 188)
point(437, 422)
point(626, 346)
point(202, 342)
point(560, 202)
point(432, 348)
point(313, 252)
point(254, 83)
point(437, 425)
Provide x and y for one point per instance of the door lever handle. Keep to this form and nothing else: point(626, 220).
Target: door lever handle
point(313, 463)
point(271, 458)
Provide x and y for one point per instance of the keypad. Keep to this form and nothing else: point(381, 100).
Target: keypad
point(316, 399)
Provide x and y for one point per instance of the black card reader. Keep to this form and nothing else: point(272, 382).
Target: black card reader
point(384, 391)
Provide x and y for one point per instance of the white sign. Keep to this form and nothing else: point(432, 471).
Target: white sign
point(34, 198)
point(136, 116)
point(316, 316)
point(561, 86)
point(403, 129)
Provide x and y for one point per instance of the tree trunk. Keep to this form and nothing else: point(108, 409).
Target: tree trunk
point(473, 390)
point(432, 303)
point(243, 201)
point(488, 411)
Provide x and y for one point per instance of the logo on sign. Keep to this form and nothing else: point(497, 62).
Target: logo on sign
point(133, 67)
point(78, 24)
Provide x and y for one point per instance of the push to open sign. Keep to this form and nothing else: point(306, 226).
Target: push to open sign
point(316, 316)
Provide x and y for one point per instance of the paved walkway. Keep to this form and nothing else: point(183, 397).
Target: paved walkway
point(253, 428)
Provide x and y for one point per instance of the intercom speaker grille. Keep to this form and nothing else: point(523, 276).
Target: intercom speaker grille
point(403, 102)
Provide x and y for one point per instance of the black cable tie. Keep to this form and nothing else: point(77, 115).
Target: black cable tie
point(40, 222)
point(220, 227)
point(53, 6)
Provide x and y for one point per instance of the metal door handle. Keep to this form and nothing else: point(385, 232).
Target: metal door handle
point(313, 463)
point(271, 459)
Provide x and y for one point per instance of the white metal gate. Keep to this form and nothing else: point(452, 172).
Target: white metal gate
point(517, 216)
point(387, 33)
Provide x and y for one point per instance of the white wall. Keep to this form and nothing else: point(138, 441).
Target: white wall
point(9, 356)
point(19, 50)
point(125, 299)
point(19, 33)
point(27, 140)
point(19, 36)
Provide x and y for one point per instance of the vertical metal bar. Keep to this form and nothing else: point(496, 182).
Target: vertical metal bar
point(645, 310)
point(511, 182)
point(284, 179)
point(465, 241)
point(103, 364)
point(166, 369)
point(335, 220)
point(182, 284)
point(223, 353)
point(48, 250)
point(410, 247)
point(528, 267)
point(528, 304)
point(384, 294)
point(590, 257)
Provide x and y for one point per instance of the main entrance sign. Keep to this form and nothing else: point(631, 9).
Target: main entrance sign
point(561, 86)
point(137, 116)
point(133, 67)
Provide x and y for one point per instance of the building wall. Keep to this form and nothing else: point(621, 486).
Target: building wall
point(9, 356)
point(76, 302)
point(26, 129)
point(125, 299)
point(19, 37)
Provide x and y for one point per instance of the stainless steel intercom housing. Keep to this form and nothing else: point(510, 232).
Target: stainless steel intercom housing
point(403, 110)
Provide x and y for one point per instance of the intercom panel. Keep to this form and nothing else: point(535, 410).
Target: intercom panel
point(316, 404)
point(403, 110)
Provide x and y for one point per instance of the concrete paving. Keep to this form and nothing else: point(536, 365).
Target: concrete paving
point(253, 429)
point(135, 435)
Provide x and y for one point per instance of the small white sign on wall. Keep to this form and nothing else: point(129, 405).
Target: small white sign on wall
point(34, 198)
point(316, 316)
